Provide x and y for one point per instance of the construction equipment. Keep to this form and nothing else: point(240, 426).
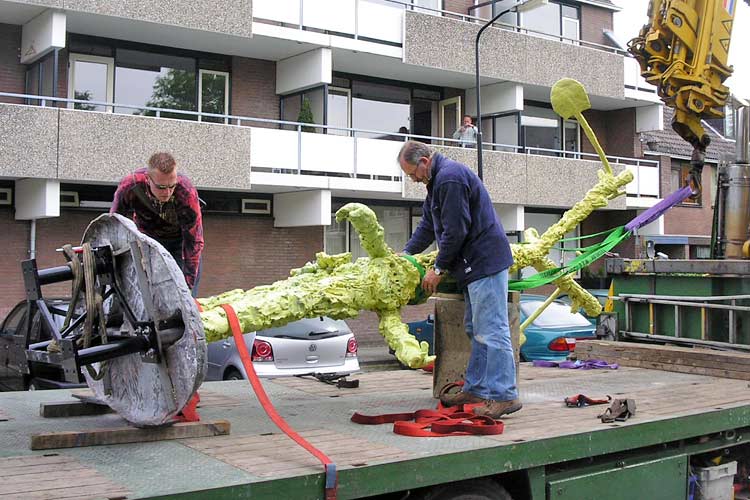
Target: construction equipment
point(683, 51)
point(135, 333)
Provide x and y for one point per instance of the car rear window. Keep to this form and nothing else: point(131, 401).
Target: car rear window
point(557, 315)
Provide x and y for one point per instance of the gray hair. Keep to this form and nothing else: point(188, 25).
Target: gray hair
point(412, 151)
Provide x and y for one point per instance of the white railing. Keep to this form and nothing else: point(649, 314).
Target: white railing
point(356, 18)
point(289, 148)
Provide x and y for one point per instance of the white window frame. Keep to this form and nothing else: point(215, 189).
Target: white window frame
point(202, 72)
point(108, 61)
point(577, 23)
point(348, 92)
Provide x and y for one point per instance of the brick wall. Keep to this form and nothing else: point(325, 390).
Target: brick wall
point(241, 252)
point(689, 220)
point(12, 72)
point(615, 130)
point(254, 89)
point(593, 21)
point(597, 120)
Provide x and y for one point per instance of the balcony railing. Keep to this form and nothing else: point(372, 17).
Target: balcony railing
point(343, 151)
point(381, 22)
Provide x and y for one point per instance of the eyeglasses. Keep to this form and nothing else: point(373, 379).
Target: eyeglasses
point(162, 187)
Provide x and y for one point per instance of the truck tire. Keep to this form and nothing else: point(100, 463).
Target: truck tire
point(476, 489)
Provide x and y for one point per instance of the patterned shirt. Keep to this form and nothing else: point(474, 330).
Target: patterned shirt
point(177, 219)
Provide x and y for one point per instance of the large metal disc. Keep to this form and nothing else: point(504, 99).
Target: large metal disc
point(146, 393)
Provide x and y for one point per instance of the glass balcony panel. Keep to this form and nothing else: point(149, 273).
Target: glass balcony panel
point(283, 11)
point(323, 153)
point(378, 157)
point(329, 15)
point(380, 20)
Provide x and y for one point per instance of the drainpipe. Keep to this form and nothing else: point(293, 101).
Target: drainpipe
point(743, 134)
point(32, 240)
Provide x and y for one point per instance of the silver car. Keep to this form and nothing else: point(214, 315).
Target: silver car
point(319, 346)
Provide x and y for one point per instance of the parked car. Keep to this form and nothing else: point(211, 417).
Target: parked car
point(551, 337)
point(319, 346)
point(12, 352)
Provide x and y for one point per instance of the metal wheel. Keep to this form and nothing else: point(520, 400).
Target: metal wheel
point(143, 391)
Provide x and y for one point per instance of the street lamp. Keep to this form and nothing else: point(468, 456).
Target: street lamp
point(519, 7)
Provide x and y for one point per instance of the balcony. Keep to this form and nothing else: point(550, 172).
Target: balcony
point(241, 153)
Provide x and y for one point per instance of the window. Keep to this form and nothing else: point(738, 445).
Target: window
point(540, 128)
point(339, 110)
point(571, 138)
point(544, 19)
point(502, 130)
point(90, 79)
point(380, 107)
point(571, 28)
point(553, 19)
point(340, 238)
point(213, 94)
point(155, 80)
point(680, 178)
point(304, 107)
point(395, 222)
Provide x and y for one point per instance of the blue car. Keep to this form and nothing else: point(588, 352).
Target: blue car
point(551, 337)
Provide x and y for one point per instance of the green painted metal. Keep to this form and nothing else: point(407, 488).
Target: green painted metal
point(537, 483)
point(661, 478)
point(668, 434)
point(639, 281)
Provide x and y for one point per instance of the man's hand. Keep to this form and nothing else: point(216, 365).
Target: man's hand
point(431, 282)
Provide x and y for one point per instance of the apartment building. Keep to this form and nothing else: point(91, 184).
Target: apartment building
point(281, 111)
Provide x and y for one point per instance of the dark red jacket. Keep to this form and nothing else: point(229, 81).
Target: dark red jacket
point(178, 218)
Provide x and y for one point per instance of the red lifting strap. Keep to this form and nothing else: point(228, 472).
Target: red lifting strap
point(331, 483)
point(454, 421)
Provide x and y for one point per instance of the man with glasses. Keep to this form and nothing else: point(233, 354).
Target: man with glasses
point(458, 214)
point(165, 206)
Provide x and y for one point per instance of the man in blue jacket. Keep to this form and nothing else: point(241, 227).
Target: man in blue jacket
point(473, 248)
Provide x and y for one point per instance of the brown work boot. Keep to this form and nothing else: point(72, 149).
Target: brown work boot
point(496, 409)
point(459, 398)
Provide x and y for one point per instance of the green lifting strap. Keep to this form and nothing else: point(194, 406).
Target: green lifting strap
point(593, 253)
point(419, 294)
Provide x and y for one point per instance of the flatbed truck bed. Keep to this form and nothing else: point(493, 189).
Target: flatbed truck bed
point(546, 450)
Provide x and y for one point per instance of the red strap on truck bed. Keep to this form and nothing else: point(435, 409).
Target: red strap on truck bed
point(331, 483)
point(453, 421)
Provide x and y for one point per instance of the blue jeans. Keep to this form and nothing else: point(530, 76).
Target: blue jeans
point(491, 372)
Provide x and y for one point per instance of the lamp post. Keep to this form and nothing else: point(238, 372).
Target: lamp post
point(519, 7)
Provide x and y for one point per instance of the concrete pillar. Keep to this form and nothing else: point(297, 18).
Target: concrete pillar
point(452, 346)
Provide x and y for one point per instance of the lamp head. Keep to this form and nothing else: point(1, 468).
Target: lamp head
point(529, 5)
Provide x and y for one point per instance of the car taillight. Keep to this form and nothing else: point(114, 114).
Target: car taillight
point(563, 344)
point(262, 351)
point(351, 347)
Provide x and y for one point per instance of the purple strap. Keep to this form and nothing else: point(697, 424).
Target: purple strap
point(658, 210)
point(591, 364)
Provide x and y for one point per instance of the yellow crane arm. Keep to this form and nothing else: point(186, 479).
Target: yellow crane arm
point(683, 51)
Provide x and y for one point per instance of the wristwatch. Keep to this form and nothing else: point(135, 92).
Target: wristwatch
point(438, 271)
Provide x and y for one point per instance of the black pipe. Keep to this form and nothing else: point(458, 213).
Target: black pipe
point(55, 275)
point(121, 347)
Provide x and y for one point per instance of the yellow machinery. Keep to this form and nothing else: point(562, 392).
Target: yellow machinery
point(683, 51)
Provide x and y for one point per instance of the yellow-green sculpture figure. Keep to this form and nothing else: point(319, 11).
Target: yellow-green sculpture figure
point(385, 282)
